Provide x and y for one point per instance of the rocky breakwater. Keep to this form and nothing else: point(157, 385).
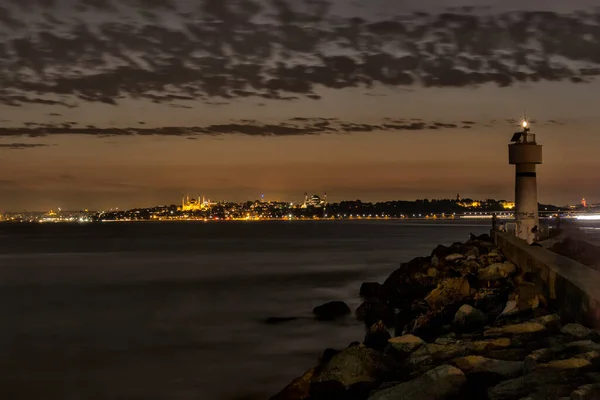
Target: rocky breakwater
point(462, 323)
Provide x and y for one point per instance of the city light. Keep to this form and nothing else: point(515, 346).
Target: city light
point(313, 208)
point(525, 123)
point(590, 217)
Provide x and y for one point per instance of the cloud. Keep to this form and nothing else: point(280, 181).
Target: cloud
point(299, 126)
point(278, 50)
point(20, 146)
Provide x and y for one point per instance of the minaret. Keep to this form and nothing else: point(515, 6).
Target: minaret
point(525, 153)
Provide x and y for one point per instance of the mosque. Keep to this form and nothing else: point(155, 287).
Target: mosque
point(195, 204)
point(314, 201)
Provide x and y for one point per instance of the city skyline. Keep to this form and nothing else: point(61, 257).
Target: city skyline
point(237, 98)
point(187, 202)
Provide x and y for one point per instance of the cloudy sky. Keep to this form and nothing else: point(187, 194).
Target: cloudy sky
point(108, 103)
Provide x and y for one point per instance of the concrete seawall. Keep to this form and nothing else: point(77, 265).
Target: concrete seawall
point(571, 288)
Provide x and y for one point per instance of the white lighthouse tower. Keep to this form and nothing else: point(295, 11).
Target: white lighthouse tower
point(525, 153)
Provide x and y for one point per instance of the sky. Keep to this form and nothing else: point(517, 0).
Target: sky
point(133, 103)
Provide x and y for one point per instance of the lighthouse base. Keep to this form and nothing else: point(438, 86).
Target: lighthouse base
point(526, 209)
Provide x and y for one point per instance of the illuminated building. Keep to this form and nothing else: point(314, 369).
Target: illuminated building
point(584, 203)
point(467, 203)
point(507, 205)
point(195, 204)
point(525, 153)
point(314, 201)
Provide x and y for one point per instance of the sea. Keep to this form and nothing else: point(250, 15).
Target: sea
point(177, 310)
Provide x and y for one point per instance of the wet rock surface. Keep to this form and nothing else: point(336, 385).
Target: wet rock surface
point(459, 324)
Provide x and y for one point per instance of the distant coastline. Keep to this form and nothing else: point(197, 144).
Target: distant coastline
point(313, 208)
point(434, 218)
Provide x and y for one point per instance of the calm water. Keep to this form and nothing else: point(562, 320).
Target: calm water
point(174, 311)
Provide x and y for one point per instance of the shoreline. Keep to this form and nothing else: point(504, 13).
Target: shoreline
point(462, 323)
point(298, 220)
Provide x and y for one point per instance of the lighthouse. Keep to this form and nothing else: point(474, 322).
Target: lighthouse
point(525, 153)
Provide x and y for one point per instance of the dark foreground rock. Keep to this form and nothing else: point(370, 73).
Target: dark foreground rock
point(468, 319)
point(332, 310)
point(438, 383)
point(468, 325)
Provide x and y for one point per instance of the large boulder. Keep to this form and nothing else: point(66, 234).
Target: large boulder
point(455, 257)
point(438, 383)
point(440, 353)
point(526, 328)
point(372, 289)
point(478, 365)
point(485, 346)
point(497, 271)
point(327, 355)
point(404, 317)
point(564, 350)
point(468, 250)
point(528, 335)
point(555, 379)
point(582, 346)
point(586, 392)
point(483, 373)
point(510, 354)
point(448, 291)
point(403, 346)
point(410, 281)
point(466, 267)
point(430, 325)
point(591, 356)
point(577, 332)
point(484, 238)
point(332, 310)
point(377, 337)
point(550, 321)
point(523, 305)
point(468, 319)
point(373, 310)
point(298, 389)
point(327, 390)
point(493, 257)
point(537, 357)
point(439, 254)
point(491, 300)
point(574, 363)
point(353, 365)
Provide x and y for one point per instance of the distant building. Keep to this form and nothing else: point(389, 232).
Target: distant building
point(314, 201)
point(195, 204)
point(507, 205)
point(467, 203)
